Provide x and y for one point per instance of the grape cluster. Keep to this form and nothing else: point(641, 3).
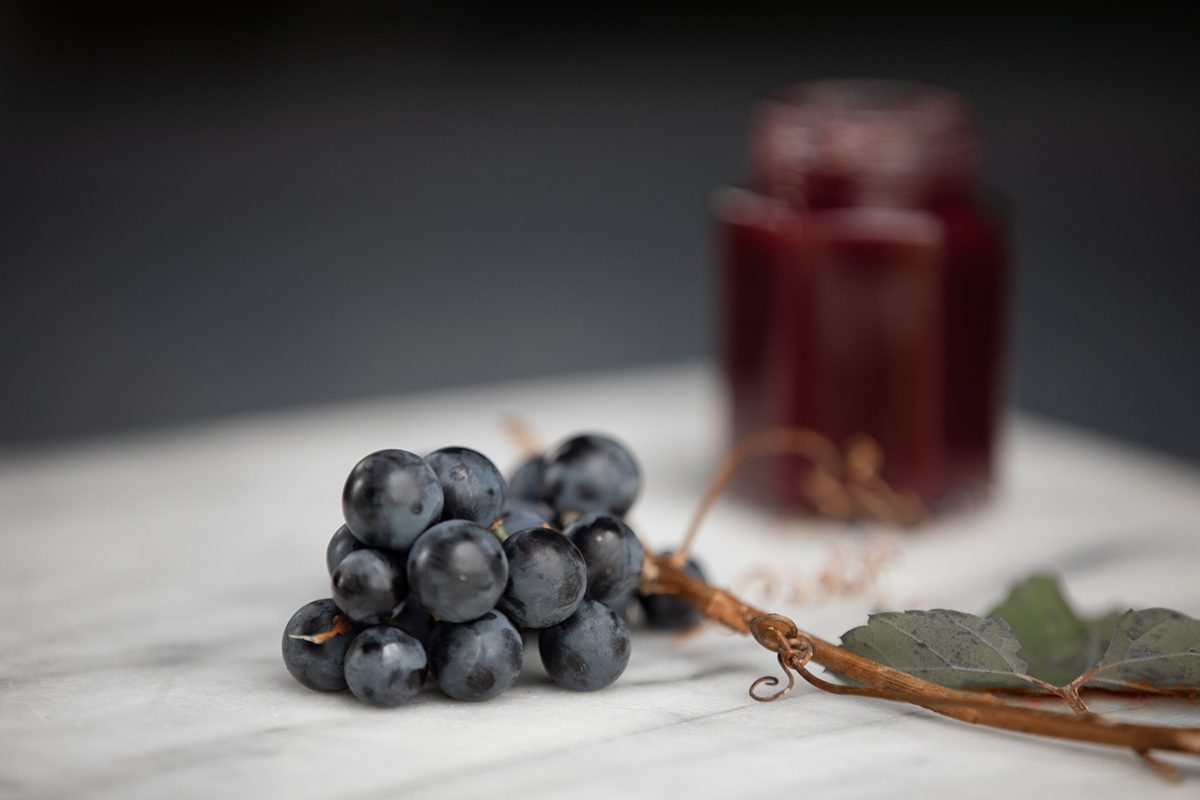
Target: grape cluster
point(442, 565)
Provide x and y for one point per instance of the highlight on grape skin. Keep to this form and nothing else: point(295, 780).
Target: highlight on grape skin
point(472, 488)
point(547, 578)
point(390, 498)
point(369, 585)
point(385, 667)
point(476, 660)
point(458, 569)
point(587, 651)
point(590, 473)
point(613, 554)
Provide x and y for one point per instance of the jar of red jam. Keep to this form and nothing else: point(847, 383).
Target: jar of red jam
point(864, 286)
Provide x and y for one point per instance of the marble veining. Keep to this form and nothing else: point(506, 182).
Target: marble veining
point(146, 581)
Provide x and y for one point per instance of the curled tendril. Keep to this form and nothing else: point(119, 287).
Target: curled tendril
point(773, 631)
point(800, 652)
point(780, 635)
point(771, 680)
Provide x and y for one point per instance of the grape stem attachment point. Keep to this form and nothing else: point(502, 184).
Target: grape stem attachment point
point(340, 625)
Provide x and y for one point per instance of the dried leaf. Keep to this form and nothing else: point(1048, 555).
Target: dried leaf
point(1058, 644)
point(949, 648)
point(1154, 646)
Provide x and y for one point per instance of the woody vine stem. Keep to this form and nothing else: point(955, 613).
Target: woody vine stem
point(851, 484)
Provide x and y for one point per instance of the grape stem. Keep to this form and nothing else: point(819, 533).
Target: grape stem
point(340, 625)
point(795, 648)
point(522, 435)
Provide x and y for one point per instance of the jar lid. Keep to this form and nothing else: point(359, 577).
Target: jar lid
point(855, 142)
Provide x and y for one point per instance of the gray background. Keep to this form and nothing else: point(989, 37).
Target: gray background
point(201, 215)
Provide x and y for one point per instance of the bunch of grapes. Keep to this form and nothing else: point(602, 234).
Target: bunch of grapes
point(441, 566)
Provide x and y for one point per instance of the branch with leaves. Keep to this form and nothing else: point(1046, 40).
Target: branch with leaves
point(961, 638)
point(1035, 640)
point(940, 659)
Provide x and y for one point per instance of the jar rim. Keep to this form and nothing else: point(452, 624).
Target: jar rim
point(883, 137)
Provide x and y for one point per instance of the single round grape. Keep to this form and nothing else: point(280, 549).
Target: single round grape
point(667, 612)
point(525, 483)
point(587, 651)
point(370, 585)
point(385, 667)
point(390, 498)
point(317, 665)
point(547, 578)
point(472, 486)
point(341, 545)
point(414, 619)
point(590, 473)
point(458, 570)
point(519, 515)
point(475, 660)
point(613, 555)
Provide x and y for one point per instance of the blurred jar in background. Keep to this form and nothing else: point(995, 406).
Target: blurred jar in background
point(864, 283)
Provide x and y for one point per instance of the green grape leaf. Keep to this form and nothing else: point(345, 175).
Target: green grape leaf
point(1102, 630)
point(948, 648)
point(1154, 646)
point(1058, 644)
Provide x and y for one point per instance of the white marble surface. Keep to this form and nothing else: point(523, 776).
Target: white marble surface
point(145, 581)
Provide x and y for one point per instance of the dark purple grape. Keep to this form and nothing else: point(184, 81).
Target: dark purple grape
point(518, 515)
point(390, 498)
point(587, 651)
point(318, 665)
point(547, 578)
point(385, 667)
point(590, 473)
point(667, 612)
point(458, 570)
point(472, 486)
point(476, 660)
point(525, 483)
point(370, 585)
point(613, 555)
point(341, 545)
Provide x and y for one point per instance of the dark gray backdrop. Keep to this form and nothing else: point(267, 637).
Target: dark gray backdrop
point(201, 215)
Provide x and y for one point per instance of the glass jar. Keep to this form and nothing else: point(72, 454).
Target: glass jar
point(864, 285)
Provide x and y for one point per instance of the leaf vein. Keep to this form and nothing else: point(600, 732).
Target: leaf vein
point(979, 636)
point(1155, 657)
point(927, 646)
